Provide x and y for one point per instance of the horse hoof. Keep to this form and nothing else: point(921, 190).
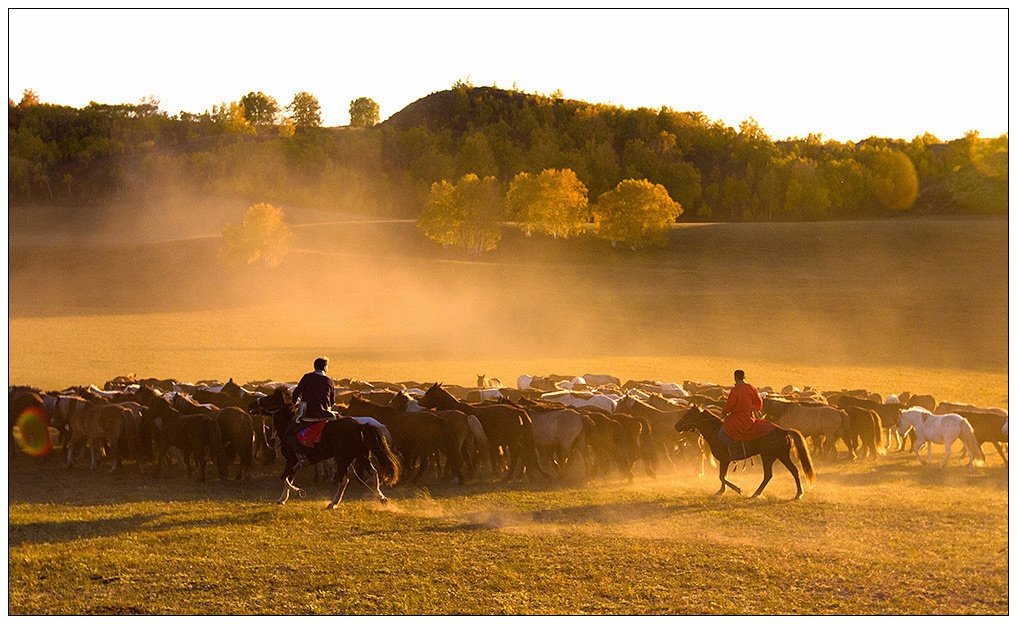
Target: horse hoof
point(384, 502)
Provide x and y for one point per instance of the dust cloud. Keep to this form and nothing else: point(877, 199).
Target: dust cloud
point(138, 288)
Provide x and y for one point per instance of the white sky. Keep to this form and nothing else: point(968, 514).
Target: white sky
point(847, 74)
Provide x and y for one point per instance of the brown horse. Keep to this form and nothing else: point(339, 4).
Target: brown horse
point(505, 426)
point(237, 429)
point(778, 444)
point(165, 427)
point(417, 436)
point(865, 428)
point(661, 433)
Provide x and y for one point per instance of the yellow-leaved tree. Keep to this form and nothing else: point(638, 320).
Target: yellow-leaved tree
point(464, 214)
point(263, 236)
point(553, 202)
point(636, 212)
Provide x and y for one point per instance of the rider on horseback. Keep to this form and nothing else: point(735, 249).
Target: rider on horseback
point(318, 393)
point(741, 425)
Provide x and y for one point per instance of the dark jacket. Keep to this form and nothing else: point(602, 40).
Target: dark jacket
point(318, 391)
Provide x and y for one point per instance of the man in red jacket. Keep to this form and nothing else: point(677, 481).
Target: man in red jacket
point(743, 402)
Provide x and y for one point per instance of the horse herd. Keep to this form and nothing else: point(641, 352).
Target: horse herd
point(578, 428)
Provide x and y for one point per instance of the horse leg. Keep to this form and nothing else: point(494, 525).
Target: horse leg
point(790, 465)
point(999, 449)
point(342, 486)
point(377, 484)
point(425, 462)
point(287, 479)
point(724, 483)
point(917, 447)
point(947, 444)
point(767, 474)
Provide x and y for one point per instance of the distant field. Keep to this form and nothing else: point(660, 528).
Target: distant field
point(916, 305)
point(884, 537)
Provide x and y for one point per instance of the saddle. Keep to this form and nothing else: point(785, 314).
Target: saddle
point(738, 449)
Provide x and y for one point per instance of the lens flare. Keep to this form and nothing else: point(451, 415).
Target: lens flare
point(32, 432)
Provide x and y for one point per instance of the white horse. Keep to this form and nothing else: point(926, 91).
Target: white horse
point(556, 435)
point(580, 399)
point(942, 429)
point(523, 383)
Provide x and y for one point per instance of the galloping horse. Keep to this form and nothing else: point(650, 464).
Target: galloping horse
point(775, 445)
point(344, 440)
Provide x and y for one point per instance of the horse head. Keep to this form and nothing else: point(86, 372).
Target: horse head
point(231, 389)
point(693, 418)
point(432, 396)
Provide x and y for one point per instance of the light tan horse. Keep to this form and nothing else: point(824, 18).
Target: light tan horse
point(822, 423)
point(99, 427)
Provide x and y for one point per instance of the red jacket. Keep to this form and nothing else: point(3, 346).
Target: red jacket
point(741, 423)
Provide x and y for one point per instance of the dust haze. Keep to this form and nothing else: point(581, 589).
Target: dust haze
point(138, 288)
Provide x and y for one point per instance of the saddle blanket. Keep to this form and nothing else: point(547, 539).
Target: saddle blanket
point(737, 449)
point(309, 436)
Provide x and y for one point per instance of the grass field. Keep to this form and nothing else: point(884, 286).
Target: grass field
point(910, 304)
point(884, 537)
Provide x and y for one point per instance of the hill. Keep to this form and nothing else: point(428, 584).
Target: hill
point(87, 157)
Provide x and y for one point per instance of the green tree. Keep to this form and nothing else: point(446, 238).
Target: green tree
point(476, 156)
point(894, 179)
point(553, 202)
point(363, 112)
point(305, 111)
point(263, 236)
point(463, 215)
point(636, 212)
point(260, 109)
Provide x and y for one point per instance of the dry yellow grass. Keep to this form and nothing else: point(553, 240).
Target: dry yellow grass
point(883, 537)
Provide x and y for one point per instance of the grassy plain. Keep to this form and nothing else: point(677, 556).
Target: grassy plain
point(884, 537)
point(910, 304)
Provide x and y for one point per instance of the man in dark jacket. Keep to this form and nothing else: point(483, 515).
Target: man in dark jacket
point(317, 392)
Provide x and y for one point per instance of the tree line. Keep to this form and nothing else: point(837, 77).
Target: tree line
point(416, 161)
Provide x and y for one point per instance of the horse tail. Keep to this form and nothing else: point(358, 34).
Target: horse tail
point(388, 463)
point(802, 451)
point(974, 448)
point(880, 443)
point(215, 446)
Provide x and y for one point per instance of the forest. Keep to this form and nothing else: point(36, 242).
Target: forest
point(255, 150)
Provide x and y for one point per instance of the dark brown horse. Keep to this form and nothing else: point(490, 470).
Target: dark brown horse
point(344, 440)
point(505, 426)
point(164, 427)
point(778, 444)
point(237, 428)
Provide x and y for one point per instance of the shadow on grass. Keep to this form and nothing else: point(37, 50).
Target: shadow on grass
point(57, 531)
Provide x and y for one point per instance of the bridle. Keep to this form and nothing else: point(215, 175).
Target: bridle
point(261, 409)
